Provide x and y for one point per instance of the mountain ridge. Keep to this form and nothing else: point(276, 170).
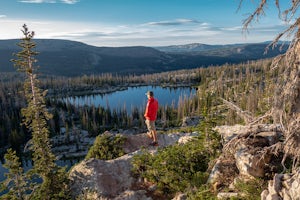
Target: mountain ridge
point(71, 58)
point(198, 47)
point(192, 47)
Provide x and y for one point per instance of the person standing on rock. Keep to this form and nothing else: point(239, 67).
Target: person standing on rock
point(150, 116)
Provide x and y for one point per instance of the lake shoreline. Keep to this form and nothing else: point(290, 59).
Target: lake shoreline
point(108, 89)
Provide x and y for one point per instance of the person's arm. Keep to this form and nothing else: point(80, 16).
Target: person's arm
point(147, 111)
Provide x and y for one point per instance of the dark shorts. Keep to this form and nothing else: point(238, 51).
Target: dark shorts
point(150, 125)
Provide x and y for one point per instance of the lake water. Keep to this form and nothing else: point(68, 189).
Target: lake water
point(28, 165)
point(132, 97)
point(2, 171)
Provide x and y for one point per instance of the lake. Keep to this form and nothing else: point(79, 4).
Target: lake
point(28, 165)
point(133, 97)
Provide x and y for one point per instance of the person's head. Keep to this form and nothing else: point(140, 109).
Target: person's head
point(149, 94)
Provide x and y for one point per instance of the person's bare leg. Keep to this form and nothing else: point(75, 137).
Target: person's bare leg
point(154, 134)
point(149, 134)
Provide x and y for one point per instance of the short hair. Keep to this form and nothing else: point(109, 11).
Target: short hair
point(150, 93)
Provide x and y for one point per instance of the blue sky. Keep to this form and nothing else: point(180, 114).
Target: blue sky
point(139, 22)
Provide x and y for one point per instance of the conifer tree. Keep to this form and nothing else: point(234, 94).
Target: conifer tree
point(16, 182)
point(36, 115)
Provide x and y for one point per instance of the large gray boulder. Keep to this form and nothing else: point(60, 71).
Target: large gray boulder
point(106, 178)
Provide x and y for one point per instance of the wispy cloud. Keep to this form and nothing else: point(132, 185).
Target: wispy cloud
point(50, 1)
point(37, 1)
point(2, 16)
point(234, 28)
point(174, 22)
point(70, 1)
point(150, 35)
point(98, 34)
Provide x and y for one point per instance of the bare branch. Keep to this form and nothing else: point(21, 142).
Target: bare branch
point(243, 114)
point(257, 13)
point(291, 11)
point(255, 121)
point(287, 16)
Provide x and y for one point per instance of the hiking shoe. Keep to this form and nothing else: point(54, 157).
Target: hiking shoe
point(153, 144)
point(149, 135)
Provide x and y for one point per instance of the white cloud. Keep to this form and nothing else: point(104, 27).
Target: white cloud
point(2, 16)
point(173, 22)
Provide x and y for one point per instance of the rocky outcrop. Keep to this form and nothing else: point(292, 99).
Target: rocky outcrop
point(245, 153)
point(190, 121)
point(71, 144)
point(135, 142)
point(76, 142)
point(106, 178)
point(230, 132)
point(250, 155)
point(283, 186)
point(112, 179)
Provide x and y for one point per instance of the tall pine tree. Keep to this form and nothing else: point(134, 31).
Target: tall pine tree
point(36, 115)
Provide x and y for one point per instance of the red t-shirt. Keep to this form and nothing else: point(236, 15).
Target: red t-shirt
point(151, 109)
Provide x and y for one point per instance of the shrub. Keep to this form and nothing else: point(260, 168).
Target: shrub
point(203, 193)
point(250, 190)
point(175, 168)
point(107, 147)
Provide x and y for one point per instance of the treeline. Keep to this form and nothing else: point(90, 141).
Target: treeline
point(110, 82)
point(249, 87)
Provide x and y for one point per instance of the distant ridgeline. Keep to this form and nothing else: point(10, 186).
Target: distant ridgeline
point(70, 58)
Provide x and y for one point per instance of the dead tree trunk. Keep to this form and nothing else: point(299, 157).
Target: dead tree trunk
point(286, 108)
